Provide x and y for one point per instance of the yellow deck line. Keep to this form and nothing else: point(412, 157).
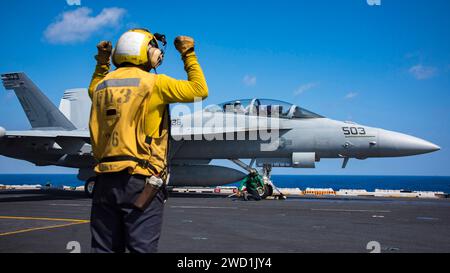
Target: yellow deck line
point(71, 223)
point(44, 219)
point(41, 228)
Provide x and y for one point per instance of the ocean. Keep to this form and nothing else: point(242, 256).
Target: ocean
point(336, 182)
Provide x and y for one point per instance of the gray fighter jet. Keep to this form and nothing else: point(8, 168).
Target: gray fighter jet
point(269, 133)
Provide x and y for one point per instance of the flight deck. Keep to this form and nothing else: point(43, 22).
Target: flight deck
point(47, 220)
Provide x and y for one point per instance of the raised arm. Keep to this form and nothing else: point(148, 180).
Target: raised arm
point(103, 65)
point(172, 90)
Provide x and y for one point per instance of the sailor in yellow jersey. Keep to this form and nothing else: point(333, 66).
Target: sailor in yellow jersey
point(129, 126)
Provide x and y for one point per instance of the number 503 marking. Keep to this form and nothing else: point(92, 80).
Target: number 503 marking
point(354, 131)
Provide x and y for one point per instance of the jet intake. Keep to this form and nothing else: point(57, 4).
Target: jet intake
point(304, 160)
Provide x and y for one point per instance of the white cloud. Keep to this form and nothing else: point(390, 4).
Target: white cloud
point(249, 80)
point(351, 95)
point(305, 87)
point(421, 72)
point(78, 25)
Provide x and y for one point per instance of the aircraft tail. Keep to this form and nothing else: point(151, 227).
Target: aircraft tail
point(76, 106)
point(40, 111)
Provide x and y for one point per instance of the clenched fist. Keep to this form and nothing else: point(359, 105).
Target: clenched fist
point(104, 49)
point(184, 44)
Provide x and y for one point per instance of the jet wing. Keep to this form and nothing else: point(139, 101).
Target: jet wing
point(49, 134)
point(69, 141)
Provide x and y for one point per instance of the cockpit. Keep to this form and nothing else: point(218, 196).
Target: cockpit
point(264, 107)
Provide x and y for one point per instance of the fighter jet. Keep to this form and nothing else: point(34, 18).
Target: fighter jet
point(269, 133)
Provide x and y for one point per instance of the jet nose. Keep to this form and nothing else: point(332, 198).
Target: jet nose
point(397, 144)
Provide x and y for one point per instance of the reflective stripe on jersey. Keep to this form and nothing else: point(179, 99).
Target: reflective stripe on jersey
point(133, 82)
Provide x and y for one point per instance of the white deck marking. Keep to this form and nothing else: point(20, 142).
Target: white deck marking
point(201, 207)
point(352, 210)
point(70, 205)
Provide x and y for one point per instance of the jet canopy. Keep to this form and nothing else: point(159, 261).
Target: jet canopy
point(264, 107)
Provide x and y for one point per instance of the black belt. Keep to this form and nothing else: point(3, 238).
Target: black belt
point(141, 162)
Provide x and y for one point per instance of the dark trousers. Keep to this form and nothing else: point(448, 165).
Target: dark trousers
point(253, 194)
point(115, 224)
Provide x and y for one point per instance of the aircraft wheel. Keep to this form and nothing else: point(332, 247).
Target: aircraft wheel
point(89, 187)
point(265, 191)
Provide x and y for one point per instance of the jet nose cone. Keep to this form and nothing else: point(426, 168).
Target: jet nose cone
point(397, 144)
point(433, 147)
point(2, 132)
point(422, 146)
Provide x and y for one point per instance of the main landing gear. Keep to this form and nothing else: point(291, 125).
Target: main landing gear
point(89, 187)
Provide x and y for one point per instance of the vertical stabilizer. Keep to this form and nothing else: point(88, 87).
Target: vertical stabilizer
point(76, 106)
point(40, 111)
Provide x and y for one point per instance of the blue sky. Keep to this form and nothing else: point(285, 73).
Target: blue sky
point(384, 66)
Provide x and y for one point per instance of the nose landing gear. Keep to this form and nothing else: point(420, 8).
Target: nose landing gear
point(270, 187)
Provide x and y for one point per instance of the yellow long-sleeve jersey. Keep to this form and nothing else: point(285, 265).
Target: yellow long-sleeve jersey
point(129, 122)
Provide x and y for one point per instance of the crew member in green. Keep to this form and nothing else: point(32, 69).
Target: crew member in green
point(252, 182)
